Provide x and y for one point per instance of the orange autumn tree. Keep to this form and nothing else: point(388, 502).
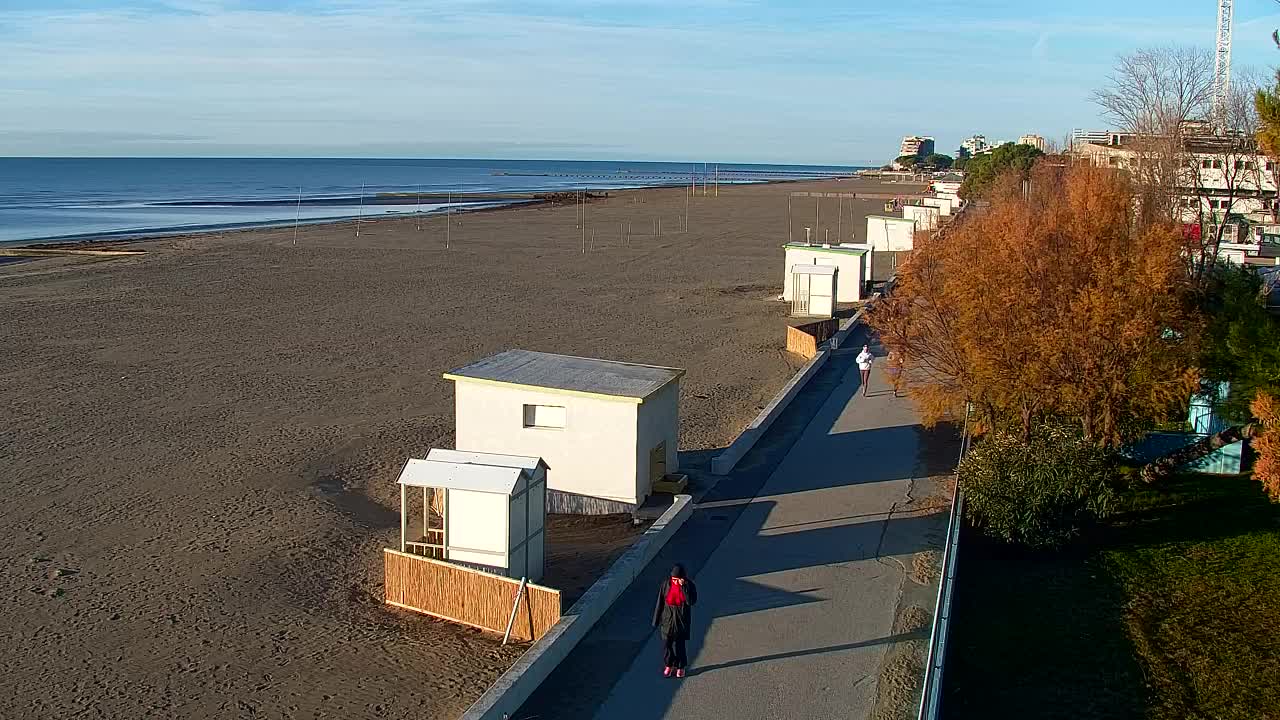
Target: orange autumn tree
point(1054, 304)
point(1266, 469)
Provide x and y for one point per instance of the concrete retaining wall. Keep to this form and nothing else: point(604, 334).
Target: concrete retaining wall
point(518, 683)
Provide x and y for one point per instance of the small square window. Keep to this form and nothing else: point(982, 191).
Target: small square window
point(544, 416)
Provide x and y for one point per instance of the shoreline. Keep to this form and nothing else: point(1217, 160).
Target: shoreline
point(468, 203)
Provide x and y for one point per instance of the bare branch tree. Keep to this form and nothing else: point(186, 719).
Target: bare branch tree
point(1155, 95)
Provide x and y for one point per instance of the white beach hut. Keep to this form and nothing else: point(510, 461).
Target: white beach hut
point(813, 290)
point(890, 234)
point(852, 261)
point(943, 204)
point(608, 429)
point(491, 511)
point(925, 217)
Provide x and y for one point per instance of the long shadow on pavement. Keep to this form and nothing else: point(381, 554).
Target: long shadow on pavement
point(584, 679)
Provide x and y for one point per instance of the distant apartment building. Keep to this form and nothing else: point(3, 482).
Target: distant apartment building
point(975, 145)
point(1034, 141)
point(917, 145)
point(1215, 181)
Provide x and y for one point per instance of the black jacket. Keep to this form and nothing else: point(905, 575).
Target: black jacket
point(674, 621)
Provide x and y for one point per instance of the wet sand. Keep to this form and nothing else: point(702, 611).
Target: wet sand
point(199, 445)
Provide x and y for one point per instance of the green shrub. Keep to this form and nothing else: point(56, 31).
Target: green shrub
point(1038, 494)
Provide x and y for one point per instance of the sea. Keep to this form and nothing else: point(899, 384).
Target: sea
point(48, 200)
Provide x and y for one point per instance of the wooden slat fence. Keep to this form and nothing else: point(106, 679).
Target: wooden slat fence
point(470, 597)
point(805, 339)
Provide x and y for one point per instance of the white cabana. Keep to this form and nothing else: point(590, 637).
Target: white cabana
point(853, 262)
point(491, 510)
point(890, 234)
point(925, 217)
point(609, 429)
point(813, 290)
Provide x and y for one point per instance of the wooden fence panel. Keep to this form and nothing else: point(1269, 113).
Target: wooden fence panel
point(470, 597)
point(805, 339)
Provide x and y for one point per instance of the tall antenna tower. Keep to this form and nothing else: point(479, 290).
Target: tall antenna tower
point(1222, 63)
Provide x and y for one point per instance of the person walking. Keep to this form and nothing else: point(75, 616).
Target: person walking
point(864, 361)
point(896, 366)
point(673, 615)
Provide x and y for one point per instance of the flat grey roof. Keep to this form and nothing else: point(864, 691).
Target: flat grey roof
point(565, 373)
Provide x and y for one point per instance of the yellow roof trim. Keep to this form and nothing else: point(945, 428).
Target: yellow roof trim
point(551, 390)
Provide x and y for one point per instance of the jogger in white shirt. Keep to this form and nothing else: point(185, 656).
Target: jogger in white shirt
point(864, 360)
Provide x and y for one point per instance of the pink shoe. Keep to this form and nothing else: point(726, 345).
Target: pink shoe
point(680, 673)
point(666, 672)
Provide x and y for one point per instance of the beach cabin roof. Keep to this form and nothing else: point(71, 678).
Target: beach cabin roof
point(568, 374)
point(813, 269)
point(891, 219)
point(844, 248)
point(477, 472)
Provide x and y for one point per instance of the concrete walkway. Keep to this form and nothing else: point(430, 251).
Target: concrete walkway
point(800, 559)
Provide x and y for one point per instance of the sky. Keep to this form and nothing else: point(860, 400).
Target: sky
point(786, 81)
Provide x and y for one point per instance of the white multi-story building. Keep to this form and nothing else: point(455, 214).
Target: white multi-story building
point(1034, 141)
point(975, 144)
point(1213, 176)
point(917, 145)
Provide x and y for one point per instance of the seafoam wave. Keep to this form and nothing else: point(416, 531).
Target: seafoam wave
point(54, 199)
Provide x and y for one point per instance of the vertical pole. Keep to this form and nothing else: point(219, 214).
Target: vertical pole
point(297, 214)
point(817, 206)
point(515, 606)
point(403, 521)
point(686, 209)
point(448, 218)
point(444, 525)
point(583, 195)
point(717, 180)
point(417, 210)
point(839, 219)
point(426, 516)
point(788, 217)
point(360, 216)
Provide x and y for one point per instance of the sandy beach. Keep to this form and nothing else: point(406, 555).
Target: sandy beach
point(199, 444)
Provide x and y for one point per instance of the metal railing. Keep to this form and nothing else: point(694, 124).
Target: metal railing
point(931, 696)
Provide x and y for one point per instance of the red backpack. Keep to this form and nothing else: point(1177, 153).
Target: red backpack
point(675, 593)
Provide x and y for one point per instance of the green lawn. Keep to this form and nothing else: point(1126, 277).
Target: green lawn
point(1171, 611)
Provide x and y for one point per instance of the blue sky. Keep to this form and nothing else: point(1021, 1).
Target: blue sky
point(716, 80)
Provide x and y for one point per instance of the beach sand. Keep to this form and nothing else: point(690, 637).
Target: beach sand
point(199, 445)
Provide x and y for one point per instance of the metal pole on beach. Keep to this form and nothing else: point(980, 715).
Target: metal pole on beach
point(296, 214)
point(686, 210)
point(417, 210)
point(839, 219)
point(448, 218)
point(360, 216)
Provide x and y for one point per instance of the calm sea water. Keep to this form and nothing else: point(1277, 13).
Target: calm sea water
point(56, 199)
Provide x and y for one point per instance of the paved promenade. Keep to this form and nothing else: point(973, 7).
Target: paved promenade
point(800, 556)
